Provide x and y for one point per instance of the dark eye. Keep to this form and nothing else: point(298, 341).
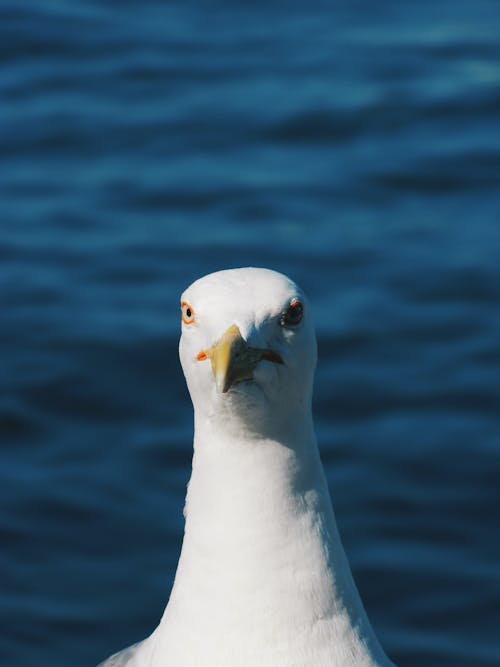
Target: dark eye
point(293, 315)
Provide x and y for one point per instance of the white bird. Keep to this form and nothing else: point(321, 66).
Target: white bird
point(262, 579)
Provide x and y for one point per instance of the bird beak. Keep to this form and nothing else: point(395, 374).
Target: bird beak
point(233, 360)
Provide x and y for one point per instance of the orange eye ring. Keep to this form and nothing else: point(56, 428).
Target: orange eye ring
point(187, 313)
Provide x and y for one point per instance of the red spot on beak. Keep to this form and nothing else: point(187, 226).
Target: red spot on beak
point(269, 355)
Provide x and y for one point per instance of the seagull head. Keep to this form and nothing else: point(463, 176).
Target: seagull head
point(248, 348)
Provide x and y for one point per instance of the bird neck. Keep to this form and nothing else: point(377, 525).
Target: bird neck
point(261, 541)
point(260, 504)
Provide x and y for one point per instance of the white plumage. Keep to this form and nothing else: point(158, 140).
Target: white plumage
point(262, 580)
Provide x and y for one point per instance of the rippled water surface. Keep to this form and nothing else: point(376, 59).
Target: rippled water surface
point(352, 145)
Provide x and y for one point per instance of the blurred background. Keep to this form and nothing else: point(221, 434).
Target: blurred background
point(352, 145)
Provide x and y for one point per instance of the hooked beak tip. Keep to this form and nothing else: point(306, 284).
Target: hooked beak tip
point(222, 383)
point(233, 360)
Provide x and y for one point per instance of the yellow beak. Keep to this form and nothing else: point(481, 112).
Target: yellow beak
point(233, 360)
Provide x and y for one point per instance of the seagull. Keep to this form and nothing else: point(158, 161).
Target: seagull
point(262, 579)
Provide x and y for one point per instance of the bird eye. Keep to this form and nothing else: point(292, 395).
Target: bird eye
point(187, 313)
point(293, 315)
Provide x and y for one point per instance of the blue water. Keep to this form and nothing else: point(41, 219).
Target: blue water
point(352, 145)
